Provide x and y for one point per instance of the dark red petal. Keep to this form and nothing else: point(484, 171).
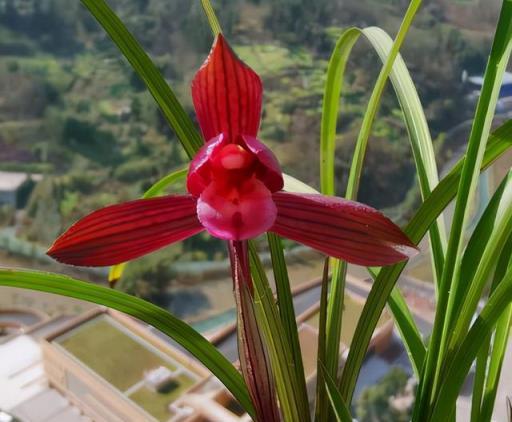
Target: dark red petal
point(122, 232)
point(198, 176)
point(238, 213)
point(270, 171)
point(226, 94)
point(342, 229)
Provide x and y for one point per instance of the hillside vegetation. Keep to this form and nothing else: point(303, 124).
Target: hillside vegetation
point(71, 108)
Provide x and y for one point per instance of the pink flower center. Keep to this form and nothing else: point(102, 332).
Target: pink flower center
point(234, 182)
point(235, 157)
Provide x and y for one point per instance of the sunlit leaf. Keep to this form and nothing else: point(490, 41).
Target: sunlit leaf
point(451, 282)
point(332, 93)
point(151, 314)
point(338, 405)
point(499, 142)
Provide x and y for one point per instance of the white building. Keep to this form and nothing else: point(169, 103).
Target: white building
point(11, 184)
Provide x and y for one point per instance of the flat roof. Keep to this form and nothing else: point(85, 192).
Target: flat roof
point(11, 180)
point(21, 371)
point(122, 358)
point(479, 80)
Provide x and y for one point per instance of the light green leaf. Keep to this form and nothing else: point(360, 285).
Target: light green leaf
point(338, 405)
point(291, 184)
point(162, 320)
point(450, 283)
point(499, 142)
point(335, 73)
point(294, 405)
point(457, 371)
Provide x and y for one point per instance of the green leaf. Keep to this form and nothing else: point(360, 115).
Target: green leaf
point(330, 107)
point(408, 330)
point(407, 327)
point(338, 405)
point(179, 331)
point(500, 343)
point(498, 302)
point(499, 142)
point(479, 380)
point(486, 243)
point(395, 68)
point(374, 102)
point(450, 281)
point(173, 111)
point(159, 187)
point(285, 307)
point(212, 18)
point(322, 403)
point(294, 405)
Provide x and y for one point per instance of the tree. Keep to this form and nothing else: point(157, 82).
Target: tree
point(374, 405)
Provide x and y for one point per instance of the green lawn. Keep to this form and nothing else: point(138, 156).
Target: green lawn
point(111, 353)
point(157, 404)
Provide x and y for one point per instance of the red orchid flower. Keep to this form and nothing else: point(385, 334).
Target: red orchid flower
point(235, 193)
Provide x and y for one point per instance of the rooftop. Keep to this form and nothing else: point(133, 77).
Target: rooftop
point(10, 181)
point(126, 361)
point(479, 80)
point(24, 389)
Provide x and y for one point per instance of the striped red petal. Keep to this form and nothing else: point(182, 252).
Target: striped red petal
point(122, 232)
point(342, 229)
point(226, 94)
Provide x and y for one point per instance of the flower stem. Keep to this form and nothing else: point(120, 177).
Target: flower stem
point(254, 361)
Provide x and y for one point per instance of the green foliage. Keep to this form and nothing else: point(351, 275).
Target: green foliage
point(150, 276)
point(89, 85)
point(96, 136)
point(87, 139)
point(134, 171)
point(374, 403)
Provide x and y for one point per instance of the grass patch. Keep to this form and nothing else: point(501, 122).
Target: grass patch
point(111, 353)
point(268, 59)
point(157, 404)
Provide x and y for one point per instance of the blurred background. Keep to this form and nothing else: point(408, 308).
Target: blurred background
point(78, 130)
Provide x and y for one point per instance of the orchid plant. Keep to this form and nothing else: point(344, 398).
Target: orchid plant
point(236, 193)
